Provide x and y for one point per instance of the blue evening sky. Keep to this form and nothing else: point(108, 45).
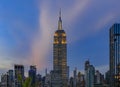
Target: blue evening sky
point(27, 28)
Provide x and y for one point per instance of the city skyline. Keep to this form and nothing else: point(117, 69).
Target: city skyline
point(27, 29)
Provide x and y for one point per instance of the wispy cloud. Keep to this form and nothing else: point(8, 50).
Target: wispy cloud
point(42, 41)
point(107, 19)
point(103, 68)
point(5, 64)
point(75, 10)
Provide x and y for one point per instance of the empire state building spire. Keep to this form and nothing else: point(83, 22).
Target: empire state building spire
point(60, 22)
point(60, 70)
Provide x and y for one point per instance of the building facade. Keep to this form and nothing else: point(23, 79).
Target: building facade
point(80, 80)
point(10, 78)
point(107, 77)
point(99, 77)
point(89, 74)
point(59, 73)
point(32, 74)
point(75, 77)
point(19, 75)
point(114, 53)
point(4, 80)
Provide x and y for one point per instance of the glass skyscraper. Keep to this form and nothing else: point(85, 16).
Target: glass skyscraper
point(114, 55)
point(32, 75)
point(89, 74)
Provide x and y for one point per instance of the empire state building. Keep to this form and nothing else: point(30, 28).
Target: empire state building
point(60, 56)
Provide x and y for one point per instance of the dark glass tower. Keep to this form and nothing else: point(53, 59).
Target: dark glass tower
point(19, 73)
point(60, 53)
point(32, 75)
point(114, 55)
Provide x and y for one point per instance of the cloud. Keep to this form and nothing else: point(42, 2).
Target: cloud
point(42, 42)
point(107, 19)
point(91, 17)
point(15, 40)
point(78, 7)
point(103, 68)
point(5, 64)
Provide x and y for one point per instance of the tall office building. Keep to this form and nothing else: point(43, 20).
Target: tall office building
point(89, 74)
point(59, 57)
point(4, 80)
point(32, 75)
point(68, 75)
point(97, 77)
point(107, 77)
point(114, 53)
point(75, 77)
point(39, 80)
point(71, 82)
point(80, 80)
point(10, 78)
point(19, 75)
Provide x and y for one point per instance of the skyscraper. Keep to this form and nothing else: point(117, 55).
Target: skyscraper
point(19, 75)
point(114, 53)
point(10, 78)
point(107, 77)
point(89, 74)
point(80, 80)
point(32, 74)
point(4, 80)
point(60, 56)
point(75, 77)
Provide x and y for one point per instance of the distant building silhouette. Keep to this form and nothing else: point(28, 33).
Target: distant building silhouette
point(10, 78)
point(4, 80)
point(99, 78)
point(19, 75)
point(39, 79)
point(75, 77)
point(107, 77)
point(114, 54)
point(71, 82)
point(89, 74)
point(32, 74)
point(80, 80)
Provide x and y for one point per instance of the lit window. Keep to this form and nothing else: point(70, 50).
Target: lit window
point(55, 34)
point(63, 34)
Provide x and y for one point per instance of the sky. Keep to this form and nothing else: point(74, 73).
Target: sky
point(27, 28)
